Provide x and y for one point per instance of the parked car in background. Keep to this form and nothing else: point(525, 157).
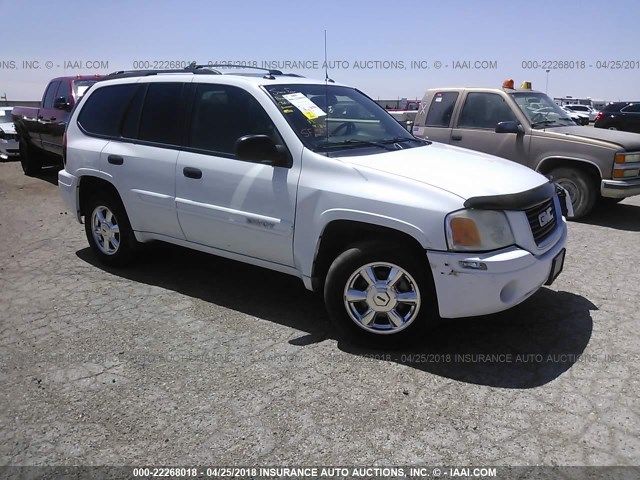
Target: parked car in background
point(586, 109)
point(314, 180)
point(40, 130)
point(579, 118)
point(8, 136)
point(620, 116)
point(593, 165)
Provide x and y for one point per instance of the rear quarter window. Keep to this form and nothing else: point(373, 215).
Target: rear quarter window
point(441, 109)
point(103, 112)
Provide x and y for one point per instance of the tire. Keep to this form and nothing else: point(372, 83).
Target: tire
point(582, 189)
point(108, 230)
point(367, 317)
point(612, 128)
point(29, 159)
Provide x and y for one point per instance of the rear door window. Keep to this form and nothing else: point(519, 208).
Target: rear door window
point(103, 112)
point(160, 121)
point(634, 108)
point(441, 109)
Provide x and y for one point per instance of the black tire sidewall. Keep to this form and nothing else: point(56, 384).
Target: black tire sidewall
point(30, 163)
point(127, 239)
point(361, 254)
point(584, 183)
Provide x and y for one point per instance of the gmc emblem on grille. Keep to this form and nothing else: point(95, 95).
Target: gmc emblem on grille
point(545, 217)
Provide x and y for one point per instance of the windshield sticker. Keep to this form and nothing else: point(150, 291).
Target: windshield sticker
point(306, 106)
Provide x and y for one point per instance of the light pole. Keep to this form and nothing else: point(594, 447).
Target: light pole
point(546, 88)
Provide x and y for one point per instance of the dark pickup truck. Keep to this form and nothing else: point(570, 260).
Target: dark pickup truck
point(40, 130)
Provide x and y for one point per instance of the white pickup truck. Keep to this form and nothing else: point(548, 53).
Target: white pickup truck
point(316, 180)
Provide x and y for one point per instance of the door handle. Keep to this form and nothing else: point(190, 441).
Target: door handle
point(115, 159)
point(456, 137)
point(192, 172)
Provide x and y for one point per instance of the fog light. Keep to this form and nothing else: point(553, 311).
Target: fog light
point(473, 265)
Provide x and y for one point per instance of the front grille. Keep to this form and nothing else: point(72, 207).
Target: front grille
point(544, 213)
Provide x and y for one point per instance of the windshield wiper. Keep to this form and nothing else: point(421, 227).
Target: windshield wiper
point(405, 139)
point(353, 144)
point(542, 122)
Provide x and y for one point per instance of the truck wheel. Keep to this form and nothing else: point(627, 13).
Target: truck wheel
point(581, 187)
point(380, 296)
point(108, 230)
point(29, 159)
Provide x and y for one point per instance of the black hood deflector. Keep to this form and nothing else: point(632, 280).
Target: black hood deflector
point(513, 201)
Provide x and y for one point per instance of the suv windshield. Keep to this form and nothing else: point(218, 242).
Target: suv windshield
point(541, 111)
point(328, 118)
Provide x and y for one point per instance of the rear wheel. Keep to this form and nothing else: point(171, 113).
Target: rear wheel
point(379, 295)
point(581, 188)
point(108, 230)
point(30, 159)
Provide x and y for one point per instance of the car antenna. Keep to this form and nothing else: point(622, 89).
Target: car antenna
point(326, 71)
point(326, 81)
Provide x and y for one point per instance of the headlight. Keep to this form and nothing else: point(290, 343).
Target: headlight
point(478, 230)
point(621, 167)
point(627, 157)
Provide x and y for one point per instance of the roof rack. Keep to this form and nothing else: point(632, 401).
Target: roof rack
point(197, 69)
point(270, 72)
point(147, 73)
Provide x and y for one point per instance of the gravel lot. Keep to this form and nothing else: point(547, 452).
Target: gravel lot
point(190, 359)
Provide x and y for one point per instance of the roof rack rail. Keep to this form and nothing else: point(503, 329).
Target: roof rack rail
point(233, 65)
point(270, 72)
point(147, 73)
point(195, 69)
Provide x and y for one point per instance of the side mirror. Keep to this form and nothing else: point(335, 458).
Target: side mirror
point(509, 127)
point(61, 103)
point(261, 149)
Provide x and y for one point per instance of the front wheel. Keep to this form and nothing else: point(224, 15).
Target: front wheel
point(380, 295)
point(581, 187)
point(108, 230)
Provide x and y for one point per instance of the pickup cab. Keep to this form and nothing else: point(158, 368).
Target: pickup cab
point(527, 127)
point(40, 130)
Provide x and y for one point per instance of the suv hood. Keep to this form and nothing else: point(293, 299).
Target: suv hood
point(465, 173)
point(624, 140)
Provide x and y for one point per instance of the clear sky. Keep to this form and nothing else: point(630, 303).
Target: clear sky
point(374, 42)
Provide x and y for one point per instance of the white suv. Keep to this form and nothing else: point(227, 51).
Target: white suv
point(316, 180)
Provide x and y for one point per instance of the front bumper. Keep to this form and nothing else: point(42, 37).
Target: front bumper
point(620, 188)
point(512, 275)
point(9, 148)
point(68, 185)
